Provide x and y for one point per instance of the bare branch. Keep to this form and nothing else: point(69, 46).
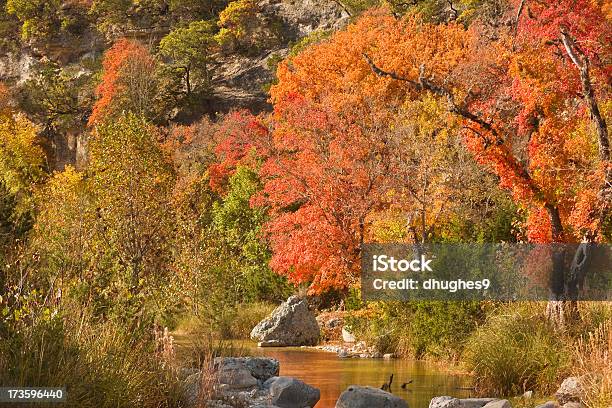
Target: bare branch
point(424, 83)
point(517, 19)
point(582, 63)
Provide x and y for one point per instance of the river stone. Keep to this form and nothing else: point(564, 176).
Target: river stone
point(445, 402)
point(291, 324)
point(498, 404)
point(570, 390)
point(289, 392)
point(236, 378)
point(191, 390)
point(271, 343)
point(476, 402)
point(260, 368)
point(368, 397)
point(549, 404)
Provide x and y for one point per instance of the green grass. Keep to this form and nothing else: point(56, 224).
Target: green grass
point(517, 350)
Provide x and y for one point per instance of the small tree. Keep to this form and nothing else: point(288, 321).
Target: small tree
point(188, 52)
point(128, 83)
point(131, 180)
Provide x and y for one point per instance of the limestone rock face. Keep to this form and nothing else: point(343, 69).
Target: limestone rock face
point(290, 324)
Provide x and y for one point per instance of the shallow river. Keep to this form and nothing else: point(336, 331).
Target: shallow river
point(332, 375)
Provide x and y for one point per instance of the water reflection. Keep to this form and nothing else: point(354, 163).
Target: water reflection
point(332, 375)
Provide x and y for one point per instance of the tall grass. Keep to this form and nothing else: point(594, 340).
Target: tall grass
point(593, 363)
point(515, 351)
point(100, 364)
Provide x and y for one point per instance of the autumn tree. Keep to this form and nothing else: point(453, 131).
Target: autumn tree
point(22, 163)
point(64, 236)
point(525, 120)
point(128, 83)
point(243, 29)
point(131, 181)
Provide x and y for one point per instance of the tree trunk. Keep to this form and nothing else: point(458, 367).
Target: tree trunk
point(561, 308)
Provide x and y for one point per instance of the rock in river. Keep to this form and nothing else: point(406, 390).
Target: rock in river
point(288, 392)
point(290, 324)
point(368, 397)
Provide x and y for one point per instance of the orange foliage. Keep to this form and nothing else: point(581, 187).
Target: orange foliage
point(325, 163)
point(115, 66)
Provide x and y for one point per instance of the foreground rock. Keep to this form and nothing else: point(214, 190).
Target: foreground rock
point(452, 402)
point(498, 404)
point(368, 397)
point(287, 392)
point(570, 391)
point(291, 324)
point(248, 382)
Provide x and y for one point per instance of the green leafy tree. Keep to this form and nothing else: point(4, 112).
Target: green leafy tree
point(131, 180)
point(58, 97)
point(240, 226)
point(21, 163)
point(39, 18)
point(188, 51)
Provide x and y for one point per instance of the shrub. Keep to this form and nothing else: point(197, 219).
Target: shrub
point(516, 351)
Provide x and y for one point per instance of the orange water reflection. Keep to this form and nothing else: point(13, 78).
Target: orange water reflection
point(332, 375)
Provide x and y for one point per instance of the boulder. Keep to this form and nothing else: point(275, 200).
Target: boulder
point(570, 390)
point(445, 402)
point(260, 368)
point(477, 402)
point(347, 336)
point(236, 378)
point(291, 324)
point(368, 397)
point(548, 404)
point(288, 392)
point(498, 404)
point(191, 390)
point(573, 404)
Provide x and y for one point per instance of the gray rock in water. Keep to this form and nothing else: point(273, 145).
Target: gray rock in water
point(445, 402)
point(291, 324)
point(271, 343)
point(498, 404)
point(288, 392)
point(368, 397)
point(570, 390)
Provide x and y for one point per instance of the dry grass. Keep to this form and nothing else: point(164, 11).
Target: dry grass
point(593, 362)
